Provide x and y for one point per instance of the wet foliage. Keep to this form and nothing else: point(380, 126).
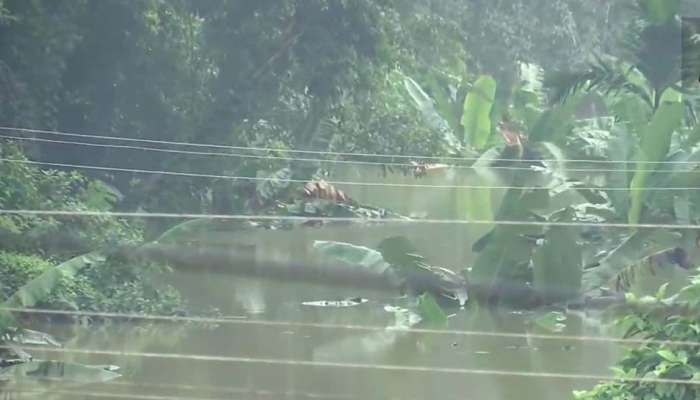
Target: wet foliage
point(585, 131)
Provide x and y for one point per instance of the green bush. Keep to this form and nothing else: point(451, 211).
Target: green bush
point(17, 269)
point(673, 327)
point(24, 186)
point(110, 287)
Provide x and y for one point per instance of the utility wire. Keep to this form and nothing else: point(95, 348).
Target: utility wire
point(106, 395)
point(242, 321)
point(332, 182)
point(350, 162)
point(361, 366)
point(263, 217)
point(331, 153)
point(227, 390)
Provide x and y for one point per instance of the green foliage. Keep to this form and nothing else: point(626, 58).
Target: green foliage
point(558, 265)
point(17, 269)
point(89, 282)
point(635, 248)
point(430, 311)
point(397, 262)
point(350, 254)
point(24, 186)
point(38, 289)
point(655, 144)
point(476, 117)
point(672, 325)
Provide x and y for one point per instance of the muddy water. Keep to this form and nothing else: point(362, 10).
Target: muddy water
point(302, 359)
point(273, 346)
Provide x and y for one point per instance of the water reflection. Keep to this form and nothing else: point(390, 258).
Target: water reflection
point(392, 346)
point(302, 360)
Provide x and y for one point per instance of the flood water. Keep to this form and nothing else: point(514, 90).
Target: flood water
point(274, 346)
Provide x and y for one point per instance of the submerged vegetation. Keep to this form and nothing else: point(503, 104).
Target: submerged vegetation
point(592, 166)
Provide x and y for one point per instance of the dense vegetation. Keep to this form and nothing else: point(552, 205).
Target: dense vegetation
point(585, 121)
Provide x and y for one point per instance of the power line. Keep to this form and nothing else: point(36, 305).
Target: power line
point(348, 162)
point(103, 395)
point(349, 183)
point(263, 217)
point(331, 153)
point(206, 153)
point(364, 366)
point(362, 328)
point(227, 390)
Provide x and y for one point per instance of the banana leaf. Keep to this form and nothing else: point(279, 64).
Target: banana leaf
point(637, 247)
point(40, 288)
point(655, 144)
point(476, 118)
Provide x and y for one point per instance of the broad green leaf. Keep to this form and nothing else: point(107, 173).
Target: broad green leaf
point(353, 255)
point(655, 144)
point(637, 247)
point(444, 104)
point(620, 150)
point(670, 356)
point(426, 106)
point(501, 259)
point(399, 251)
point(505, 249)
point(558, 265)
point(632, 110)
point(476, 117)
point(41, 287)
point(430, 311)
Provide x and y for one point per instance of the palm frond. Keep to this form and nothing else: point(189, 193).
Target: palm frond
point(606, 76)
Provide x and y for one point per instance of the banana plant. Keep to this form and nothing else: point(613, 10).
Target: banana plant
point(460, 109)
point(642, 88)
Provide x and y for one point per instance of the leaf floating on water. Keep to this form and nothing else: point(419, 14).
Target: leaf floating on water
point(34, 338)
point(351, 302)
point(552, 321)
point(352, 254)
point(57, 371)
